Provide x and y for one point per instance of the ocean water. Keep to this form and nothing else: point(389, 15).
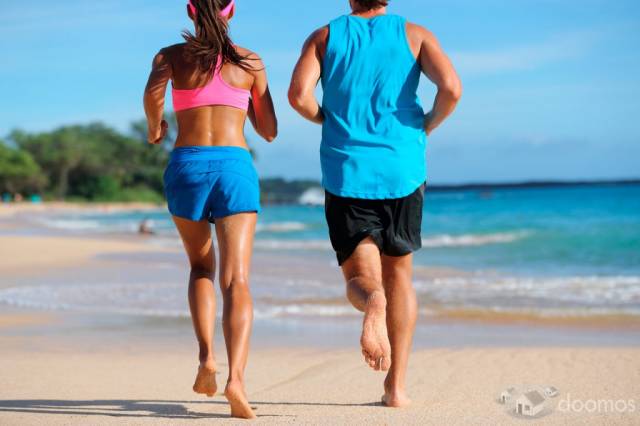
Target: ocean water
point(548, 251)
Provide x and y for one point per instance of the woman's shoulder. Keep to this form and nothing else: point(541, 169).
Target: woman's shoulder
point(247, 53)
point(254, 60)
point(170, 53)
point(173, 49)
point(173, 55)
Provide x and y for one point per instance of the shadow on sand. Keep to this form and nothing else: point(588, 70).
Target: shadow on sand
point(138, 408)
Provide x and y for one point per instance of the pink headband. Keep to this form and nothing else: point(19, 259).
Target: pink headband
point(223, 13)
point(227, 10)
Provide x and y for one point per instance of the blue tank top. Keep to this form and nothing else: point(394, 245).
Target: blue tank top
point(373, 140)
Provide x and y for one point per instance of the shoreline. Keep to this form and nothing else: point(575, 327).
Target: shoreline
point(10, 210)
point(437, 187)
point(33, 255)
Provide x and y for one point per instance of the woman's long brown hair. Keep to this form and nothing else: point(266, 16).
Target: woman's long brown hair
point(212, 37)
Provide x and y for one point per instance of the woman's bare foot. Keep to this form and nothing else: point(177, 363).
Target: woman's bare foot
point(375, 340)
point(240, 408)
point(206, 379)
point(394, 397)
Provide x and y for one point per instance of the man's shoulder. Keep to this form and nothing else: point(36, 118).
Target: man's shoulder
point(417, 31)
point(319, 37)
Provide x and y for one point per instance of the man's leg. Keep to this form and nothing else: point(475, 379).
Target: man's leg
point(363, 274)
point(401, 321)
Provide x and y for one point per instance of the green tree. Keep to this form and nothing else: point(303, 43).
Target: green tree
point(95, 162)
point(19, 173)
point(58, 153)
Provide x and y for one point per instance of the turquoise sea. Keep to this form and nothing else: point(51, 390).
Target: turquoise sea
point(549, 251)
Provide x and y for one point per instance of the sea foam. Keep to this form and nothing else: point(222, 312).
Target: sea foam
point(285, 297)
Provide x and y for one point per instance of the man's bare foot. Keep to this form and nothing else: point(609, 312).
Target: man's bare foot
point(206, 379)
point(240, 408)
point(396, 400)
point(375, 340)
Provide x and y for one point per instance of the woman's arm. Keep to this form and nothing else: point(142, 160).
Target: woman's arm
point(251, 114)
point(154, 98)
point(306, 76)
point(261, 111)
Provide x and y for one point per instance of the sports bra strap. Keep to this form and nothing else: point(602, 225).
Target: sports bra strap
point(216, 92)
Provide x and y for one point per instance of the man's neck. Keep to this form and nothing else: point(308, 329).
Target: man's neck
point(370, 13)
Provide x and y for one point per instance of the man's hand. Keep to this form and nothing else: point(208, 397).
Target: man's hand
point(438, 68)
point(428, 118)
point(156, 136)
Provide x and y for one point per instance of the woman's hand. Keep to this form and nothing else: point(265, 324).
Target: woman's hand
point(156, 136)
point(154, 98)
point(261, 112)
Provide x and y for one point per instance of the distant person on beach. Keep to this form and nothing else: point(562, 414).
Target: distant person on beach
point(373, 164)
point(146, 227)
point(210, 177)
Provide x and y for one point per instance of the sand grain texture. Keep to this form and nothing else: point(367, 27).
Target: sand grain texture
point(308, 387)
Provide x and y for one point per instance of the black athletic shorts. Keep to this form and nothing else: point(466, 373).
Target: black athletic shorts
point(393, 224)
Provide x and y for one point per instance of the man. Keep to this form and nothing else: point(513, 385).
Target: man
point(373, 163)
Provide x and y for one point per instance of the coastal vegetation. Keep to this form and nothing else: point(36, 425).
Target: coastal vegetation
point(97, 163)
point(85, 162)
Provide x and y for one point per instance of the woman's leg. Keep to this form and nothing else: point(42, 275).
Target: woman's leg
point(235, 240)
point(196, 237)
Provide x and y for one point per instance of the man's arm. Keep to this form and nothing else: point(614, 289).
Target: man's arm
point(154, 97)
point(306, 76)
point(438, 68)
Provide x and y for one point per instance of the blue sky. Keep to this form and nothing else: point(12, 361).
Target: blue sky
point(552, 87)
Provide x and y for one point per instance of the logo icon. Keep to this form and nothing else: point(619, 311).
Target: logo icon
point(528, 401)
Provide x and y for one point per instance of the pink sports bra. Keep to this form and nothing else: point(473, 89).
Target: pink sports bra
point(216, 92)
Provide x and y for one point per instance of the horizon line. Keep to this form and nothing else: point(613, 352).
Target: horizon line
point(542, 183)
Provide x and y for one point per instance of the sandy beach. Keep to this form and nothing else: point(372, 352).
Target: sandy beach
point(66, 367)
point(298, 386)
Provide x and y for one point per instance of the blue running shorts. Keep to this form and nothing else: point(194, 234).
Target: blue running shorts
point(211, 182)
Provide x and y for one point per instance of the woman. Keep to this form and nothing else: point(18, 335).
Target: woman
point(211, 178)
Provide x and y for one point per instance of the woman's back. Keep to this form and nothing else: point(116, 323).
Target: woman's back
point(218, 124)
point(216, 85)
